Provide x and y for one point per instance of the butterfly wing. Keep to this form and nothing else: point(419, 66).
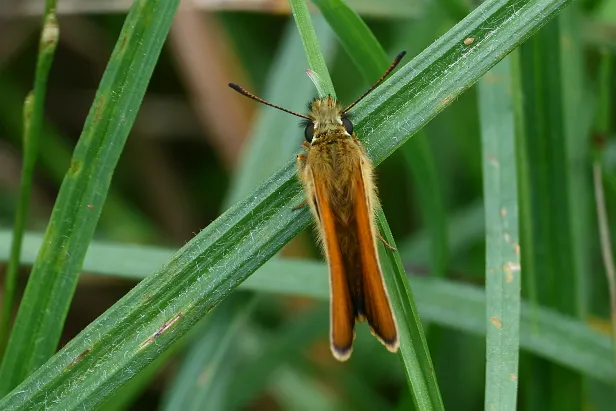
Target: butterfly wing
point(377, 308)
point(342, 325)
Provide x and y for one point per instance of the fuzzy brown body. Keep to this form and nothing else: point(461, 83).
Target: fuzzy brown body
point(337, 176)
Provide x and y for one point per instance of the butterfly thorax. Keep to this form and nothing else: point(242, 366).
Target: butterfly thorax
point(335, 158)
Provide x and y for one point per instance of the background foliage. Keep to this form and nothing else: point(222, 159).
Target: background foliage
point(197, 149)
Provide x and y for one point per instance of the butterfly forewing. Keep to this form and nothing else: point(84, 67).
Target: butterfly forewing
point(342, 325)
point(376, 301)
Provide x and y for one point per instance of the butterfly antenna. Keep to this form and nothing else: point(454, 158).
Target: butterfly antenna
point(389, 70)
point(247, 93)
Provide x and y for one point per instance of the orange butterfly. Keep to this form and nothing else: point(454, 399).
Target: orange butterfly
point(337, 176)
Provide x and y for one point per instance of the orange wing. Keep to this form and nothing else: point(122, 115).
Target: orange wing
point(376, 301)
point(342, 326)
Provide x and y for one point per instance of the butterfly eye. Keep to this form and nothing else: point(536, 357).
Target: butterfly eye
point(348, 126)
point(309, 131)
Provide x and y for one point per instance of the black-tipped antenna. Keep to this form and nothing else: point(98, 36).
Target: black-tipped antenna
point(247, 93)
point(389, 70)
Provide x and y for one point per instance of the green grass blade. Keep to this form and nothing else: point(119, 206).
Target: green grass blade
point(503, 273)
point(32, 129)
point(413, 346)
point(205, 270)
point(54, 276)
point(316, 61)
point(371, 60)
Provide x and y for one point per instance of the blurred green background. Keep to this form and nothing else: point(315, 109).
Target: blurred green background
point(179, 171)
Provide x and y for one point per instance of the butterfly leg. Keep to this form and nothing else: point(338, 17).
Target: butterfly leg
point(301, 162)
point(385, 243)
point(300, 205)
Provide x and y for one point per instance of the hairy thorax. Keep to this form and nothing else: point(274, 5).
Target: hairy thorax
point(337, 157)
